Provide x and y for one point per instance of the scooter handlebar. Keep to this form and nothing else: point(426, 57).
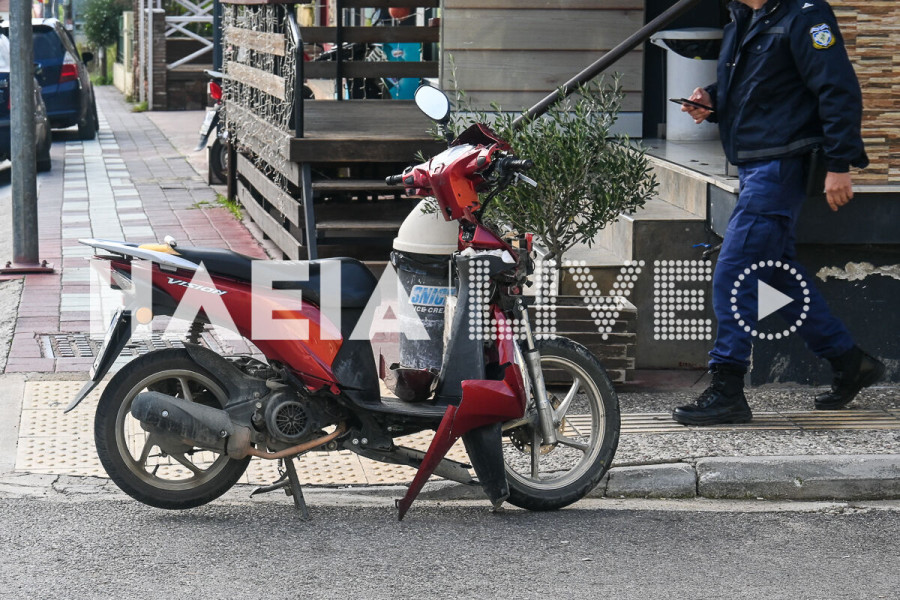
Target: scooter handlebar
point(393, 179)
point(516, 164)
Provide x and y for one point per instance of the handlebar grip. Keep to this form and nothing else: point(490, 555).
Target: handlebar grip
point(393, 179)
point(520, 164)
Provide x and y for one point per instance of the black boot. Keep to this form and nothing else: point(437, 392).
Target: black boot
point(853, 370)
point(722, 402)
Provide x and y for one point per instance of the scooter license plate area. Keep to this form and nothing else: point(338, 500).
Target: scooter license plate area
point(207, 122)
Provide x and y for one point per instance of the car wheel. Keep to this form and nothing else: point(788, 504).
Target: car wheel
point(43, 154)
point(87, 128)
point(43, 162)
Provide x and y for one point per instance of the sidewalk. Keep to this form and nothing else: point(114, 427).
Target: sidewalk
point(135, 183)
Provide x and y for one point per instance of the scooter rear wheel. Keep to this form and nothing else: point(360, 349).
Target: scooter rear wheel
point(550, 476)
point(174, 477)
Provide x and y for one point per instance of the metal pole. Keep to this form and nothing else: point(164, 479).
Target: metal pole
point(22, 139)
point(24, 175)
point(150, 54)
point(217, 35)
point(142, 54)
point(339, 43)
point(634, 40)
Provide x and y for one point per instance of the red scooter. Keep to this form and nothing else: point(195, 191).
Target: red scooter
point(176, 428)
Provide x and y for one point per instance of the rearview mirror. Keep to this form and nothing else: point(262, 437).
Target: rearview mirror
point(87, 56)
point(433, 102)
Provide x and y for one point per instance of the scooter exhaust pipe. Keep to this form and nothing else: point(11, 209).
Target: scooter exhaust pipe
point(190, 423)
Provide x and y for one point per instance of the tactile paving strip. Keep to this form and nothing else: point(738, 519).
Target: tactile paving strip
point(771, 421)
point(53, 442)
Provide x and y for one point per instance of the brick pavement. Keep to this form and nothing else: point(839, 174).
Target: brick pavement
point(128, 184)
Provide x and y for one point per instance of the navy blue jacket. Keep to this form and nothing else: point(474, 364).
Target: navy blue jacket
point(787, 86)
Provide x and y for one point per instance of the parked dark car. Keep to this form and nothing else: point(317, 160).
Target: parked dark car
point(41, 122)
point(67, 88)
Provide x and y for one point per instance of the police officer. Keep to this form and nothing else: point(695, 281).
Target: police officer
point(785, 86)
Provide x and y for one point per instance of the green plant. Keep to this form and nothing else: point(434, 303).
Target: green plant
point(587, 176)
point(233, 206)
point(140, 107)
point(101, 25)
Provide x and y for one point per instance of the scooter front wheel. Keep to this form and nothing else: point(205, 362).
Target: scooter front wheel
point(550, 476)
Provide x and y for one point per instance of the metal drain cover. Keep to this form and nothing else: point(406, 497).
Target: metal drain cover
point(82, 345)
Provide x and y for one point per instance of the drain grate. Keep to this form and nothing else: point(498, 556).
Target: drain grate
point(82, 345)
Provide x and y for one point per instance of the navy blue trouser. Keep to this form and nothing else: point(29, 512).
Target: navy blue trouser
point(762, 229)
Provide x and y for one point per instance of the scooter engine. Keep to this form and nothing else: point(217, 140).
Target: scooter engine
point(291, 418)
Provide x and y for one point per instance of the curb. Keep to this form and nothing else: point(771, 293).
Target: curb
point(855, 477)
point(829, 477)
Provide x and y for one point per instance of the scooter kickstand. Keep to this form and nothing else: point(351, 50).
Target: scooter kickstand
point(296, 492)
point(282, 483)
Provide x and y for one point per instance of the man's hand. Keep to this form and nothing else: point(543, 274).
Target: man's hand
point(698, 114)
point(838, 189)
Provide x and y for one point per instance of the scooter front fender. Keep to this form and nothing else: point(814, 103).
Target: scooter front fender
point(202, 143)
point(485, 404)
point(209, 124)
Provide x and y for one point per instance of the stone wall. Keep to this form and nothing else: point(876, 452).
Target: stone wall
point(160, 96)
point(871, 30)
point(186, 89)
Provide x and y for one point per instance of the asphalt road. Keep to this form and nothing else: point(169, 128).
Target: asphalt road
point(120, 549)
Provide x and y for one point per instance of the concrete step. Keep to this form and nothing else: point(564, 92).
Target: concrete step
point(690, 173)
point(680, 186)
point(648, 258)
point(652, 231)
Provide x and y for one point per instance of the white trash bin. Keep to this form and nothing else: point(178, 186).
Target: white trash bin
point(691, 56)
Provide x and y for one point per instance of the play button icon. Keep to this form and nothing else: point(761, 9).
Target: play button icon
point(769, 300)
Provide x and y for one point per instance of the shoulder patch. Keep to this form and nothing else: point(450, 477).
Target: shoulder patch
point(822, 37)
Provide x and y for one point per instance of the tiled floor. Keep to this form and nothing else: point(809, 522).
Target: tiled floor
point(128, 184)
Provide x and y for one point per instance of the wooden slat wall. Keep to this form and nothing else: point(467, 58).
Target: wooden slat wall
point(269, 224)
point(286, 205)
point(269, 43)
point(516, 52)
point(871, 30)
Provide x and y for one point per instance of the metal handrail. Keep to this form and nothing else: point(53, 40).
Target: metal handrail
point(339, 43)
point(294, 29)
point(607, 60)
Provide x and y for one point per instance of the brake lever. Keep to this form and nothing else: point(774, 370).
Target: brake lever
point(526, 179)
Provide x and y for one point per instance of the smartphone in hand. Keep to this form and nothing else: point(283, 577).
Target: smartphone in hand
point(692, 103)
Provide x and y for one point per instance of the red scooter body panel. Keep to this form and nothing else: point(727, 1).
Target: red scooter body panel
point(484, 402)
point(310, 355)
point(484, 239)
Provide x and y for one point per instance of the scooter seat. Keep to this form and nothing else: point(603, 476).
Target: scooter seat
point(357, 281)
point(219, 261)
